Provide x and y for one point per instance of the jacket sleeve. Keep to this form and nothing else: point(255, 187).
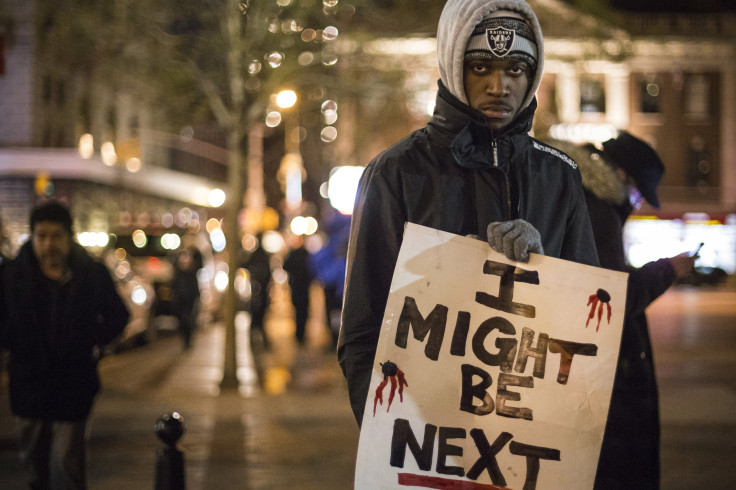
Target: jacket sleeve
point(648, 283)
point(375, 238)
point(113, 314)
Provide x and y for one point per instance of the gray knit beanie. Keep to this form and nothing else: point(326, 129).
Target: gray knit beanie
point(458, 22)
point(500, 36)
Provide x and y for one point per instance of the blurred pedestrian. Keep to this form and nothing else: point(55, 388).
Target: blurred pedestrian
point(5, 252)
point(185, 292)
point(58, 308)
point(258, 265)
point(4, 257)
point(616, 180)
point(328, 265)
point(296, 265)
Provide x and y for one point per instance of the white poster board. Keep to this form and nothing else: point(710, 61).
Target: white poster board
point(490, 374)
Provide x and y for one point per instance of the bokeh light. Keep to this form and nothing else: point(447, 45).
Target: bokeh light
point(108, 155)
point(139, 238)
point(342, 186)
point(286, 99)
point(216, 198)
point(86, 146)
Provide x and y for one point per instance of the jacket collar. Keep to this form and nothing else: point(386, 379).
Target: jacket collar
point(457, 125)
point(79, 259)
point(451, 116)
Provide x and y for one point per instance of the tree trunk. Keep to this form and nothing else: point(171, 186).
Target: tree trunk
point(232, 235)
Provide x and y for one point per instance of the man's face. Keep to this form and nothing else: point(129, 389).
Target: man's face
point(497, 88)
point(51, 244)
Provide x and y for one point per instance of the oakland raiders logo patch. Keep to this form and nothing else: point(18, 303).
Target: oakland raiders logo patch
point(500, 40)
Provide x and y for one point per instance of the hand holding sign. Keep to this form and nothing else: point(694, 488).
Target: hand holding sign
point(515, 239)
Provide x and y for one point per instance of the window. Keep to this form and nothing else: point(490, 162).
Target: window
point(592, 95)
point(649, 90)
point(697, 96)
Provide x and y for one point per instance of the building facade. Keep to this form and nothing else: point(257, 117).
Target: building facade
point(88, 141)
point(667, 78)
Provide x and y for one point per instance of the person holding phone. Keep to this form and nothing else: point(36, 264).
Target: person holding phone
point(617, 179)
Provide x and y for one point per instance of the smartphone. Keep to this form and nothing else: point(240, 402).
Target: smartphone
point(695, 252)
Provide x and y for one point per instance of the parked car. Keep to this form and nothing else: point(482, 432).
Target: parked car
point(136, 273)
point(704, 276)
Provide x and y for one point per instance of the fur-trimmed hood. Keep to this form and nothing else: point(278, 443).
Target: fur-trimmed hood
point(599, 177)
point(456, 24)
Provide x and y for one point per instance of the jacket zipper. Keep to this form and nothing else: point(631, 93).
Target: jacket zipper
point(494, 146)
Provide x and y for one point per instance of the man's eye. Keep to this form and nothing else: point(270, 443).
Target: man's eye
point(516, 70)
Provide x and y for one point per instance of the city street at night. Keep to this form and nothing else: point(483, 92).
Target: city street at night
point(694, 337)
point(301, 434)
point(241, 177)
point(294, 429)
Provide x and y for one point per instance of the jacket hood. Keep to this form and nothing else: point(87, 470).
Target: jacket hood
point(456, 24)
point(599, 177)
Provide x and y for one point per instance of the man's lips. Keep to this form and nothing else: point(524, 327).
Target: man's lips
point(496, 109)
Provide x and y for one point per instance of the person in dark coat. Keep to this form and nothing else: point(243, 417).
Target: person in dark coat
point(4, 244)
point(258, 264)
point(473, 170)
point(185, 292)
point(328, 265)
point(58, 307)
point(296, 264)
point(616, 179)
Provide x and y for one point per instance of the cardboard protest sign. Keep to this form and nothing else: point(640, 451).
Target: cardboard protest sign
point(489, 374)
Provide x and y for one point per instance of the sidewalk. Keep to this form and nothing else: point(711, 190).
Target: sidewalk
point(295, 432)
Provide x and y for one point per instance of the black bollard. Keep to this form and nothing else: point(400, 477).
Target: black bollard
point(169, 460)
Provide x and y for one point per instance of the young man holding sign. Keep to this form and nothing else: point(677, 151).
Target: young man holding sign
point(473, 170)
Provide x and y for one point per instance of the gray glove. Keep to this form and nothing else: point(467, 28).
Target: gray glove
point(515, 239)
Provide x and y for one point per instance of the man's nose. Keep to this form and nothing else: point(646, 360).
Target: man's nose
point(496, 83)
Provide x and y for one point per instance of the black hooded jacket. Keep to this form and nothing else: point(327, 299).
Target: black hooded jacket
point(454, 175)
point(51, 330)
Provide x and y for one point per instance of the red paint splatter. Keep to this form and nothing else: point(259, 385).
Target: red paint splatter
point(394, 375)
point(600, 298)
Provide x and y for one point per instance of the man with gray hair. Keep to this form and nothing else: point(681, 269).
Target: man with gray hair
point(473, 170)
point(57, 307)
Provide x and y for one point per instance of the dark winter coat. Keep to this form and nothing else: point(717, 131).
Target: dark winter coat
point(51, 330)
point(455, 175)
point(630, 452)
point(185, 288)
point(297, 266)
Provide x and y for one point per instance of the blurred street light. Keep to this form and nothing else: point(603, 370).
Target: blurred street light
point(286, 99)
point(133, 164)
point(291, 169)
point(342, 186)
point(216, 198)
point(86, 146)
point(107, 152)
point(302, 225)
